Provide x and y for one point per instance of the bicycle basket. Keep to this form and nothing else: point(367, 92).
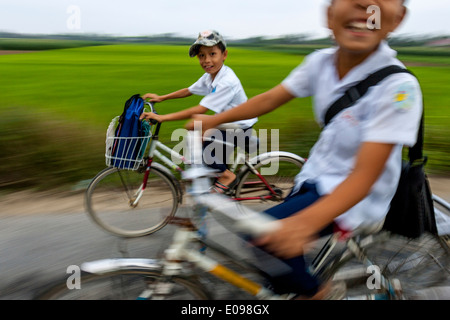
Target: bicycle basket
point(126, 152)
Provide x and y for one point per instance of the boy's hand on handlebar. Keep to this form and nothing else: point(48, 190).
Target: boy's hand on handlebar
point(152, 97)
point(290, 239)
point(150, 116)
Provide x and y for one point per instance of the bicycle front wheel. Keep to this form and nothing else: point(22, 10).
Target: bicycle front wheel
point(127, 285)
point(116, 203)
point(270, 182)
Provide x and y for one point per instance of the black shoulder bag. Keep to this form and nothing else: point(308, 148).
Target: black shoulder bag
point(411, 210)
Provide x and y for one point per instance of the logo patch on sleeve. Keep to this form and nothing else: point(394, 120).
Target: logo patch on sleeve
point(404, 97)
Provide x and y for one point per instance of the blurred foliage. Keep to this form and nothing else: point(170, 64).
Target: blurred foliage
point(40, 151)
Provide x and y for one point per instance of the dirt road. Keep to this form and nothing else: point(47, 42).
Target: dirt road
point(26, 202)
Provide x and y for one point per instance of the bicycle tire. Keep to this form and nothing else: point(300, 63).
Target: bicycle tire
point(422, 264)
point(125, 285)
point(418, 265)
point(282, 181)
point(110, 194)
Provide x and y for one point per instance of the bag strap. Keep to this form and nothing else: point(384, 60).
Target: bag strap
point(415, 152)
point(360, 89)
point(353, 94)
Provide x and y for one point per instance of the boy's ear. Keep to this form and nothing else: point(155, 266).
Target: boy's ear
point(402, 15)
point(399, 18)
point(329, 17)
point(225, 55)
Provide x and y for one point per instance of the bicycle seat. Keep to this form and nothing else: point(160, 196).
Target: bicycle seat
point(227, 126)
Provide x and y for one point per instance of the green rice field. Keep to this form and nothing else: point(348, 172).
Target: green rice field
point(55, 105)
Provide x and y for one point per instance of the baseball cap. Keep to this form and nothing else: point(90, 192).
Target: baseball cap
point(207, 38)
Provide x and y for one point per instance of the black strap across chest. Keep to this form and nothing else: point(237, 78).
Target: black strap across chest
point(353, 94)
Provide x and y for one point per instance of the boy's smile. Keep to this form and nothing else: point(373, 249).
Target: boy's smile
point(348, 21)
point(211, 59)
point(358, 28)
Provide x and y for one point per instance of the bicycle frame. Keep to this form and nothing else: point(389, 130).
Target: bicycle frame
point(180, 251)
point(171, 265)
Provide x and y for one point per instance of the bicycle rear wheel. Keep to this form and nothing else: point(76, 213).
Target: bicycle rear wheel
point(419, 264)
point(127, 285)
point(422, 265)
point(419, 268)
point(111, 201)
point(278, 171)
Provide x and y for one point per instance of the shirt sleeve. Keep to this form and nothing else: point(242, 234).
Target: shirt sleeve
point(396, 116)
point(199, 88)
point(299, 81)
point(219, 99)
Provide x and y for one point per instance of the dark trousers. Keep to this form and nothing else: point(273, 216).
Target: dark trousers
point(218, 160)
point(299, 280)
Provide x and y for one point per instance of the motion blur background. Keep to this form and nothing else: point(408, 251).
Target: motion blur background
point(68, 66)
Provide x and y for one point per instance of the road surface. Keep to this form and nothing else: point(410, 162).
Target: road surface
point(41, 236)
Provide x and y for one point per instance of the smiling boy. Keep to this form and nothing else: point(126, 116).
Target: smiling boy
point(222, 90)
point(353, 169)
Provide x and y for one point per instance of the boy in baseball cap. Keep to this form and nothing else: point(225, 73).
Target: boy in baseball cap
point(222, 90)
point(209, 39)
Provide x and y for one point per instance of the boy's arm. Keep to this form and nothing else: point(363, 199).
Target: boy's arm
point(183, 93)
point(254, 107)
point(180, 115)
point(301, 228)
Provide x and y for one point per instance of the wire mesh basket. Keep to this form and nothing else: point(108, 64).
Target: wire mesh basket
point(126, 152)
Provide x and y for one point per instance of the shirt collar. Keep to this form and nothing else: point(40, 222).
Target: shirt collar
point(380, 58)
point(219, 75)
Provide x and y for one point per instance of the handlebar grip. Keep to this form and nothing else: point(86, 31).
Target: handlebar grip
point(257, 225)
point(152, 109)
point(153, 121)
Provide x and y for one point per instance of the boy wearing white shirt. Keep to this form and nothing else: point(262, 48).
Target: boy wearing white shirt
point(353, 170)
point(222, 91)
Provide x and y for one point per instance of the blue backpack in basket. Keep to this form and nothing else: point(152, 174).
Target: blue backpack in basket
point(131, 135)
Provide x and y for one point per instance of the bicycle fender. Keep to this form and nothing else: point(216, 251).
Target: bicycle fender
point(110, 265)
point(170, 175)
point(268, 155)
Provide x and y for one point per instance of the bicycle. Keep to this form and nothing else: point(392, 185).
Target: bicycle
point(183, 271)
point(137, 197)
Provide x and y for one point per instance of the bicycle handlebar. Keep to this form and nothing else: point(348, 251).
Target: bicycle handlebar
point(223, 126)
point(236, 217)
point(152, 109)
point(151, 105)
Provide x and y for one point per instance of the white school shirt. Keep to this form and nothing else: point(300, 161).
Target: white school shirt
point(222, 94)
point(389, 112)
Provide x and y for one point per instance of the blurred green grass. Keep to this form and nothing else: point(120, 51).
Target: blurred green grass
point(55, 105)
